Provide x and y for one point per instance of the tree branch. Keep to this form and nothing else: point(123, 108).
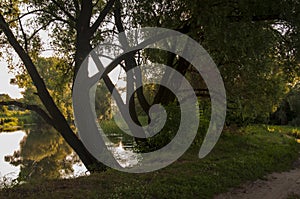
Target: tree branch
point(34, 108)
point(59, 121)
point(39, 29)
point(24, 35)
point(24, 15)
point(130, 60)
point(102, 15)
point(57, 18)
point(39, 83)
point(62, 8)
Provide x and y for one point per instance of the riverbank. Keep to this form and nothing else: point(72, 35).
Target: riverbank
point(14, 121)
point(239, 156)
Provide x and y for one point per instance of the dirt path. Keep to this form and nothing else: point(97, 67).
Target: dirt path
point(275, 186)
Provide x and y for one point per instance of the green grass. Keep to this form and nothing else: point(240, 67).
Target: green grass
point(240, 155)
point(292, 131)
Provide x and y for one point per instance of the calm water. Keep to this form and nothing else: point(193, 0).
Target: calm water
point(42, 153)
point(9, 142)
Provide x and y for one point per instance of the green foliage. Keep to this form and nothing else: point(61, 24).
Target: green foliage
point(10, 8)
point(255, 45)
point(103, 102)
point(9, 124)
point(11, 118)
point(4, 109)
point(14, 120)
point(289, 110)
point(251, 42)
point(169, 130)
point(57, 79)
point(294, 101)
point(63, 31)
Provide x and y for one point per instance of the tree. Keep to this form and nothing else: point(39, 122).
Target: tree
point(80, 20)
point(293, 98)
point(247, 38)
point(53, 71)
point(77, 16)
point(254, 43)
point(4, 97)
point(288, 111)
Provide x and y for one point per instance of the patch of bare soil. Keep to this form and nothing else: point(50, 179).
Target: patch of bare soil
point(274, 186)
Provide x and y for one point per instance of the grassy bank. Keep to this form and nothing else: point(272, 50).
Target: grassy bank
point(240, 155)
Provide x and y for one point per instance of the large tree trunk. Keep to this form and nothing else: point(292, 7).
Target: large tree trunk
point(59, 121)
point(164, 96)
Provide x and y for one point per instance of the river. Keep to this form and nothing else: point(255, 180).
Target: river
point(40, 152)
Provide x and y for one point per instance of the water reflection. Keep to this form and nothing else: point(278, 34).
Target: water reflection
point(40, 152)
point(9, 142)
point(43, 154)
point(125, 156)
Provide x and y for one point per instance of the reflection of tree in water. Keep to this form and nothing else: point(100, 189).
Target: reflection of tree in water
point(43, 154)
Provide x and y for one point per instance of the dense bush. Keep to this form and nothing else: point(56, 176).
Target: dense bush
point(12, 121)
point(288, 113)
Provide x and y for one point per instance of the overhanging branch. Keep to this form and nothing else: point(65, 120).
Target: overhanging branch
point(39, 83)
point(34, 108)
point(24, 15)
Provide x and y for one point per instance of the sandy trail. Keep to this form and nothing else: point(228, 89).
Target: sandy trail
point(275, 186)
